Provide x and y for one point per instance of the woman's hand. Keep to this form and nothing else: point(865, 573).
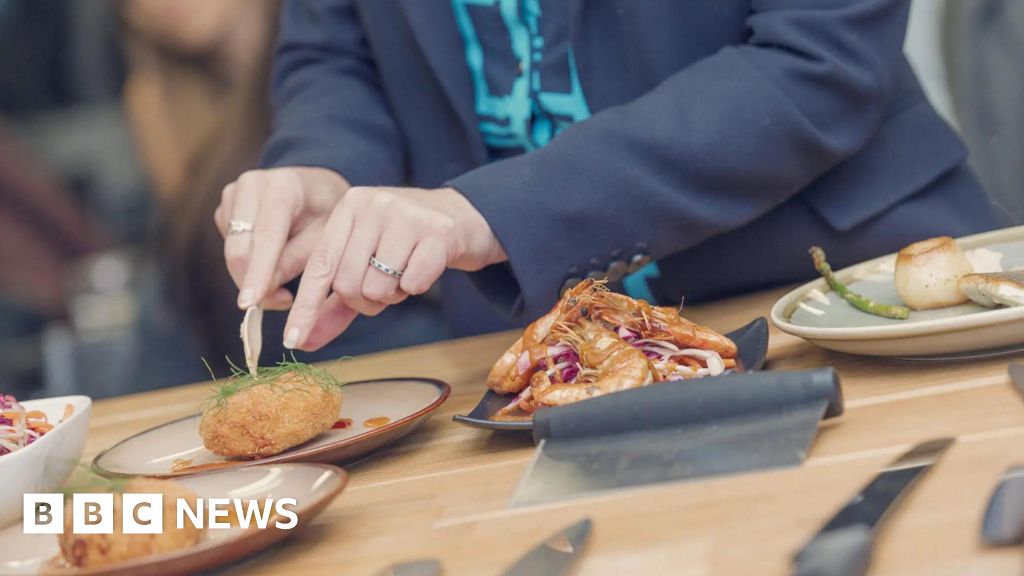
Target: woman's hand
point(287, 208)
point(414, 231)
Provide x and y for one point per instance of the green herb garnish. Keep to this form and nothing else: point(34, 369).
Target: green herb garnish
point(268, 376)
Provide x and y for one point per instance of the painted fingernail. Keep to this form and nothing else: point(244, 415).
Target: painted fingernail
point(291, 339)
point(245, 298)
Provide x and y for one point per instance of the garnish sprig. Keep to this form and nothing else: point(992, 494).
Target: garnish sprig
point(269, 376)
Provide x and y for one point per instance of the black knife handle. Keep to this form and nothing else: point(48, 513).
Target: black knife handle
point(691, 402)
point(843, 552)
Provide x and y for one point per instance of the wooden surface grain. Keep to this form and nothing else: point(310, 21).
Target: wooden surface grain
point(442, 491)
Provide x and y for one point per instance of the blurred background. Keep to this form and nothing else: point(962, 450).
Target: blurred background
point(122, 120)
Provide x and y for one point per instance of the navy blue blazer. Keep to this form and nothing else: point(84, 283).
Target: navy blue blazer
point(726, 137)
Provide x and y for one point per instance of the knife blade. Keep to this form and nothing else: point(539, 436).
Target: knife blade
point(428, 567)
point(1004, 519)
point(554, 556)
point(1017, 375)
point(843, 545)
point(251, 332)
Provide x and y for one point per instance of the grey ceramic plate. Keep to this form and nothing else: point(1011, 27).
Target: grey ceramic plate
point(955, 332)
point(401, 404)
point(751, 341)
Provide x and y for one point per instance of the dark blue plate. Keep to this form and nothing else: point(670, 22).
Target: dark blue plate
point(751, 342)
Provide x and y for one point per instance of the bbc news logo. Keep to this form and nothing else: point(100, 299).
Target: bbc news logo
point(143, 513)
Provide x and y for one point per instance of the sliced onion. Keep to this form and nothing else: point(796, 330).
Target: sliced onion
point(557, 367)
point(524, 395)
point(658, 343)
point(715, 365)
point(558, 349)
point(664, 353)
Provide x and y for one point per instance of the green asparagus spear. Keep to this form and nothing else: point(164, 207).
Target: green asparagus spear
point(856, 300)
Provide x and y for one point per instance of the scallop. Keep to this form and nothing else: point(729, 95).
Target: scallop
point(928, 273)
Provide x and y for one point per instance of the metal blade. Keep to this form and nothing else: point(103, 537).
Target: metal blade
point(574, 468)
point(1017, 375)
point(252, 337)
point(843, 546)
point(1004, 518)
point(429, 567)
point(554, 556)
point(870, 506)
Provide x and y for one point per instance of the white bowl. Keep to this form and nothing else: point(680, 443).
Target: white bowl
point(45, 464)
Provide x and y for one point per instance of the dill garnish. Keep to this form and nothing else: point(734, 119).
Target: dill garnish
point(297, 373)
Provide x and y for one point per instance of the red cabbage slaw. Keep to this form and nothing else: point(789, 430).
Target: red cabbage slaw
point(20, 427)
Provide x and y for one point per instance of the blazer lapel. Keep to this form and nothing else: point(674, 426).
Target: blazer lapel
point(433, 25)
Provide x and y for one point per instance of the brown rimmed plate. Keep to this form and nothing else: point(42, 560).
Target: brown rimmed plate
point(175, 449)
point(752, 351)
point(313, 486)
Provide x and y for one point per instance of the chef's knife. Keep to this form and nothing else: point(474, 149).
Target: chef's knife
point(843, 546)
point(1004, 518)
point(429, 567)
point(1017, 375)
point(554, 556)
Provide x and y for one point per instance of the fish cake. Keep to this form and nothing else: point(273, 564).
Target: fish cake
point(97, 550)
point(268, 415)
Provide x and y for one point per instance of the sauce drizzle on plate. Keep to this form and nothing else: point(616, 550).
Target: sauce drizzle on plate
point(376, 422)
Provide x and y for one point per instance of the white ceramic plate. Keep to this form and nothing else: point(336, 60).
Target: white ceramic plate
point(45, 464)
point(953, 332)
point(313, 486)
point(404, 403)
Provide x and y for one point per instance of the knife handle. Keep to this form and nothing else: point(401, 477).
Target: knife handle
point(691, 403)
point(843, 552)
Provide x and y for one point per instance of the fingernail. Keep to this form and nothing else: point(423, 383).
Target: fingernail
point(291, 339)
point(245, 298)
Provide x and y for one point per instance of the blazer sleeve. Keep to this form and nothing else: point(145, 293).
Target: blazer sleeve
point(712, 147)
point(329, 108)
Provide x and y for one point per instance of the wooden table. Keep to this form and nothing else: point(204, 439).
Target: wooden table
point(442, 491)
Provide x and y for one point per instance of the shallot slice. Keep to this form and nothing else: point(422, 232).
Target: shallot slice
point(521, 397)
point(659, 343)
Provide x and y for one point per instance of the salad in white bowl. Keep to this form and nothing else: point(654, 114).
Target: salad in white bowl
point(41, 442)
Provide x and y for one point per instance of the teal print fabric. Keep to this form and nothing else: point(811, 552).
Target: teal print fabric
point(525, 84)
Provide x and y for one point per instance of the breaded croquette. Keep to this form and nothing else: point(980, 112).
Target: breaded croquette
point(264, 416)
point(95, 550)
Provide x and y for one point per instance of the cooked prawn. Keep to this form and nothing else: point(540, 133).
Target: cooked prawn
point(607, 364)
point(659, 323)
point(594, 341)
point(512, 372)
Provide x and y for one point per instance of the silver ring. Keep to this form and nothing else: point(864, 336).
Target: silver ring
point(385, 268)
point(239, 226)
